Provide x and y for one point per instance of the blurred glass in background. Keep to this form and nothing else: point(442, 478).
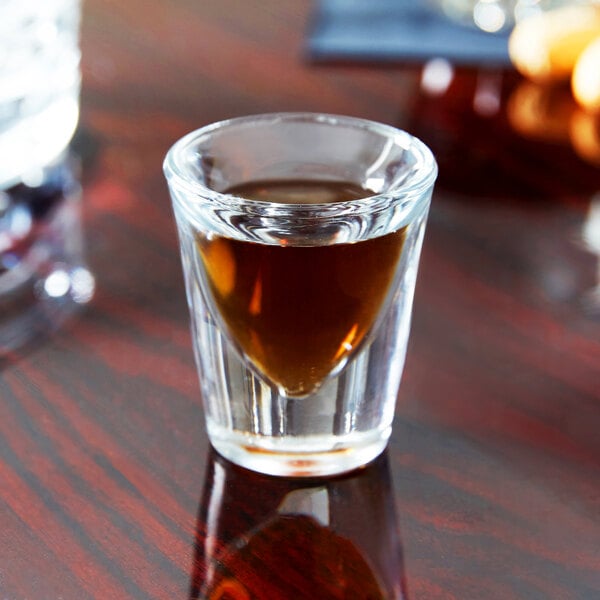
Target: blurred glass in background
point(42, 275)
point(39, 83)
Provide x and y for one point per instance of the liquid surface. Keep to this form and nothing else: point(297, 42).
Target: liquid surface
point(300, 191)
point(298, 312)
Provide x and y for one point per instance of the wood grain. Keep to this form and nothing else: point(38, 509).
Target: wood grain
point(491, 484)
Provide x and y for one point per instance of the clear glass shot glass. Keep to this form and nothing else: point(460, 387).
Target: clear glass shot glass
point(300, 237)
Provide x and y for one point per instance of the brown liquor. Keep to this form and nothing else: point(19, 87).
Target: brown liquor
point(297, 312)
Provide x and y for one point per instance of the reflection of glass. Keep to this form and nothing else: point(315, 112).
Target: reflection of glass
point(262, 537)
point(43, 277)
point(300, 238)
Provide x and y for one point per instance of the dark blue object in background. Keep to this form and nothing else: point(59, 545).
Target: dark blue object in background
point(398, 30)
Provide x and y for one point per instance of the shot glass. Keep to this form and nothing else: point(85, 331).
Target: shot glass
point(300, 237)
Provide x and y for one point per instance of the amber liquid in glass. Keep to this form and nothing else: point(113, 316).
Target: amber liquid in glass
point(298, 312)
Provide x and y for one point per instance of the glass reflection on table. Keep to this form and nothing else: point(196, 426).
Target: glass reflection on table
point(260, 537)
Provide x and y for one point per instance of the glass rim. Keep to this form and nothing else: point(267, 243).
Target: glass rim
point(179, 176)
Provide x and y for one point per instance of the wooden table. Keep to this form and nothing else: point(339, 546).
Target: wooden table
point(490, 488)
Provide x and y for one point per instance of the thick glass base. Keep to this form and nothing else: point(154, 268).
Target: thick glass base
point(42, 304)
point(43, 277)
point(299, 456)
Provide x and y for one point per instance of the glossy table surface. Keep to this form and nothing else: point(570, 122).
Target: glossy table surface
point(490, 487)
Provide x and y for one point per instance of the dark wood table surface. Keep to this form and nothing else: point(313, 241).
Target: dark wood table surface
point(490, 487)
